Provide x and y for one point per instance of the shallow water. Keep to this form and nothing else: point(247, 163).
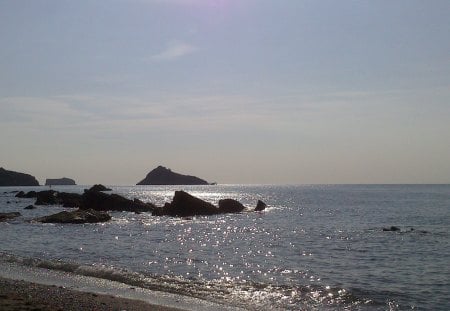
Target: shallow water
point(315, 247)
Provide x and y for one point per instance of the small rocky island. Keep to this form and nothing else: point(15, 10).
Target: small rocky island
point(164, 176)
point(11, 178)
point(60, 182)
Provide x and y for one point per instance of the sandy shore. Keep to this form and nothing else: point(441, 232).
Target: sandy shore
point(21, 295)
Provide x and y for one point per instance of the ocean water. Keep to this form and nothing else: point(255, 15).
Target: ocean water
point(316, 247)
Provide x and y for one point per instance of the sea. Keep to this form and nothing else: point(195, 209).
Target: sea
point(316, 247)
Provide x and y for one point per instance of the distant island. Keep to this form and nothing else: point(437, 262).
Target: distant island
point(164, 176)
point(60, 182)
point(11, 178)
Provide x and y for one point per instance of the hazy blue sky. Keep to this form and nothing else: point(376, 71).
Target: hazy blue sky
point(237, 91)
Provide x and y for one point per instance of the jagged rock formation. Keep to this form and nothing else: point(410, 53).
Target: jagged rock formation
point(185, 205)
point(164, 176)
point(11, 178)
point(101, 201)
point(60, 182)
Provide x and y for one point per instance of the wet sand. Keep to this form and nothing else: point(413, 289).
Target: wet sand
point(21, 295)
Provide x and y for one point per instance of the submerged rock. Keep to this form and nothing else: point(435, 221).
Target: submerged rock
point(8, 216)
point(260, 206)
point(164, 176)
point(76, 217)
point(392, 228)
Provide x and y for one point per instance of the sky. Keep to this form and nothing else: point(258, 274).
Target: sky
point(232, 91)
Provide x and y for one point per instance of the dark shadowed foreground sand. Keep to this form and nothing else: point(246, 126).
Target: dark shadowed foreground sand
point(21, 295)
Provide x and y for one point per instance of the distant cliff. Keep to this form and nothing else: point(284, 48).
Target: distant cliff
point(10, 178)
point(60, 181)
point(164, 176)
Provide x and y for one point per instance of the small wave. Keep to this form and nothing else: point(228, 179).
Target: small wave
point(237, 293)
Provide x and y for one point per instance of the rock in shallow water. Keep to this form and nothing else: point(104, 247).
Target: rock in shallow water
point(100, 201)
point(76, 217)
point(230, 206)
point(392, 228)
point(185, 205)
point(260, 206)
point(8, 216)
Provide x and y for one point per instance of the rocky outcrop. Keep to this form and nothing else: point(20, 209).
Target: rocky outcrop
point(11, 178)
point(60, 182)
point(76, 217)
point(47, 197)
point(99, 187)
point(230, 206)
point(8, 216)
point(260, 206)
point(164, 176)
point(68, 199)
point(100, 201)
point(185, 205)
point(29, 194)
point(51, 197)
point(91, 199)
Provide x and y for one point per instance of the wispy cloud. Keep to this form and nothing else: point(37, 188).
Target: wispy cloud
point(174, 51)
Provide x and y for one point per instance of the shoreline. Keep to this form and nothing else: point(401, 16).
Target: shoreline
point(23, 295)
point(28, 287)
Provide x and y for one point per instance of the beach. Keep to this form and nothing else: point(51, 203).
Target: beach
point(22, 295)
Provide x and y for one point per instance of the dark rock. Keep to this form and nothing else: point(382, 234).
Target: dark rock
point(70, 199)
point(392, 228)
point(164, 176)
point(230, 206)
point(76, 217)
point(100, 201)
point(30, 207)
point(99, 187)
point(51, 197)
point(11, 178)
point(8, 202)
point(185, 205)
point(260, 206)
point(60, 181)
point(29, 194)
point(8, 216)
point(47, 197)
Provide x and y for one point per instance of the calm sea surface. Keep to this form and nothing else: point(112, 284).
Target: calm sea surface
point(319, 247)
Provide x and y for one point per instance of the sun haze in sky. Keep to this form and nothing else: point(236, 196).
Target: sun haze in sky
point(252, 91)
